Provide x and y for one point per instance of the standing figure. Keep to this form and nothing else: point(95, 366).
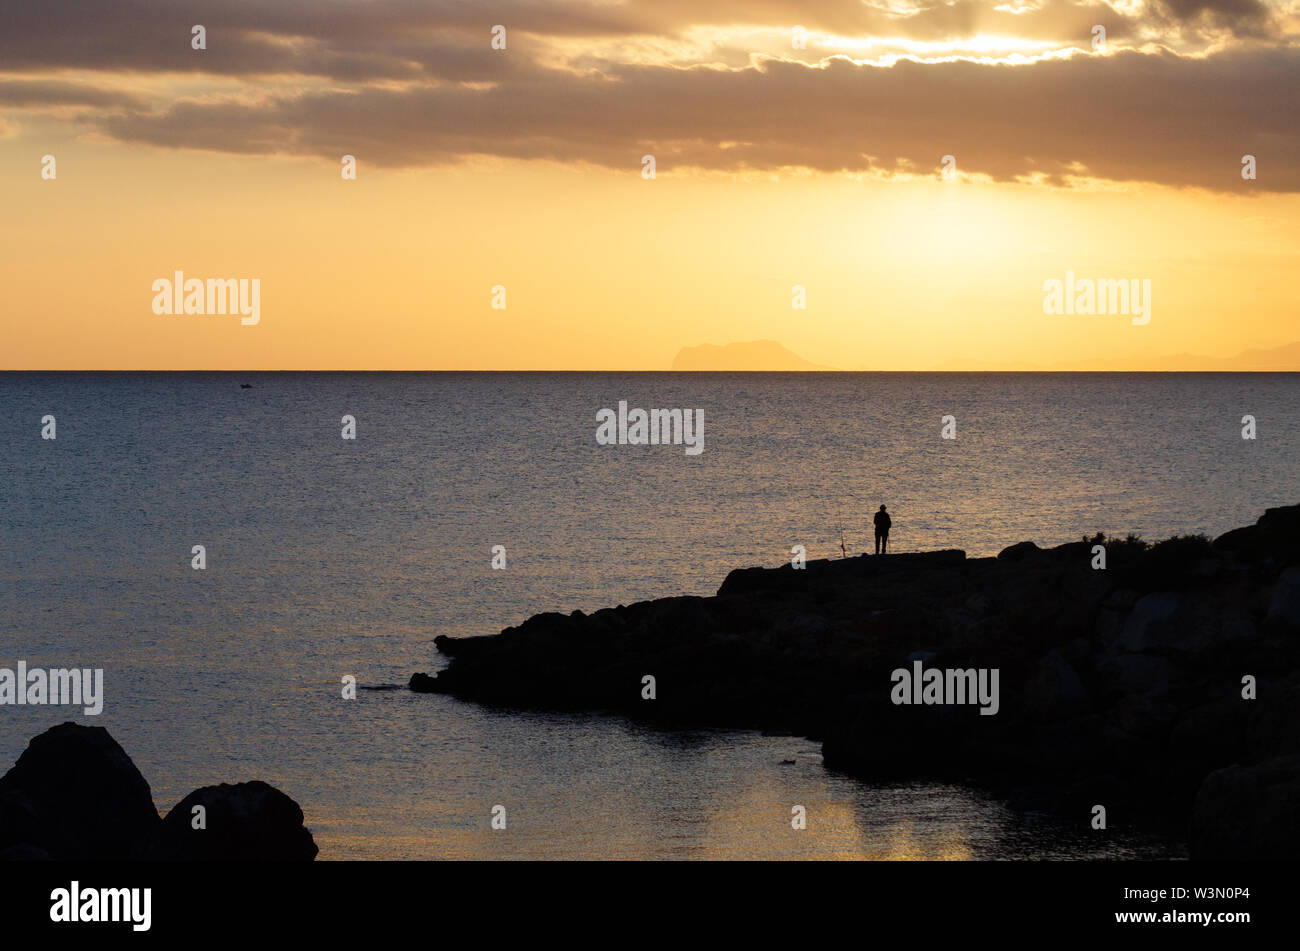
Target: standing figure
point(882, 530)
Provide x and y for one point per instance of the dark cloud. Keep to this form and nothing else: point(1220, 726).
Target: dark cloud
point(417, 84)
point(447, 39)
point(1133, 116)
point(380, 39)
point(1242, 18)
point(36, 93)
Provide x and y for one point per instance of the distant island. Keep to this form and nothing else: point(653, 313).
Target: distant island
point(1282, 359)
point(772, 356)
point(753, 355)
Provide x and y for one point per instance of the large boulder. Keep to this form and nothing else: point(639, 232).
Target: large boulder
point(245, 821)
point(1249, 812)
point(1209, 736)
point(1275, 718)
point(73, 795)
point(1019, 552)
point(1284, 605)
point(1149, 624)
point(1274, 538)
point(1131, 674)
point(1283, 520)
point(1055, 692)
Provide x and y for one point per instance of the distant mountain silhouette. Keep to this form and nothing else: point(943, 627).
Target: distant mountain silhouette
point(769, 355)
point(1283, 359)
point(751, 355)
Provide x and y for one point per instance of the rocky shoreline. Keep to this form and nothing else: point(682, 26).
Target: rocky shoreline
point(1164, 687)
point(75, 795)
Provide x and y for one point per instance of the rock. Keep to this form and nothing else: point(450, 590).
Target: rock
point(1284, 606)
point(1145, 717)
point(1138, 673)
point(1019, 552)
point(896, 742)
point(1275, 537)
point(1076, 553)
point(808, 624)
point(1239, 539)
point(422, 683)
point(1120, 599)
point(1071, 747)
point(1235, 627)
point(1056, 692)
point(74, 794)
point(1274, 718)
point(788, 578)
point(1207, 737)
point(1283, 520)
point(1146, 626)
point(1249, 812)
point(250, 821)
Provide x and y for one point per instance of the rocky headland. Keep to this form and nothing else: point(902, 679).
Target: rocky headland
point(1164, 686)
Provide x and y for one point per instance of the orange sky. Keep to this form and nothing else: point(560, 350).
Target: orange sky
point(775, 167)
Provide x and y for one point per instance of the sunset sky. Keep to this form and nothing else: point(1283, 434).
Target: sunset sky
point(775, 166)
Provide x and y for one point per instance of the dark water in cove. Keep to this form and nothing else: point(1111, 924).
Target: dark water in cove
point(327, 557)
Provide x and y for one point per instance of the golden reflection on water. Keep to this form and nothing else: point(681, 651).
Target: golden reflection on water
point(416, 780)
point(752, 821)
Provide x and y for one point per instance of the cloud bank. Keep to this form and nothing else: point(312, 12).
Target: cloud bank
point(1184, 89)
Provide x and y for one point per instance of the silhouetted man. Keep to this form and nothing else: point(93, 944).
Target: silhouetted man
point(882, 530)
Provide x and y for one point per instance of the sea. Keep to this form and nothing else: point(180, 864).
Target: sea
point(327, 558)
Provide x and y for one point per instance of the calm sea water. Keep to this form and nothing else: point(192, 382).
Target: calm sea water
point(328, 557)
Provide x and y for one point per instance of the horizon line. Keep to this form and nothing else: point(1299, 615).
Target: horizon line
point(580, 370)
